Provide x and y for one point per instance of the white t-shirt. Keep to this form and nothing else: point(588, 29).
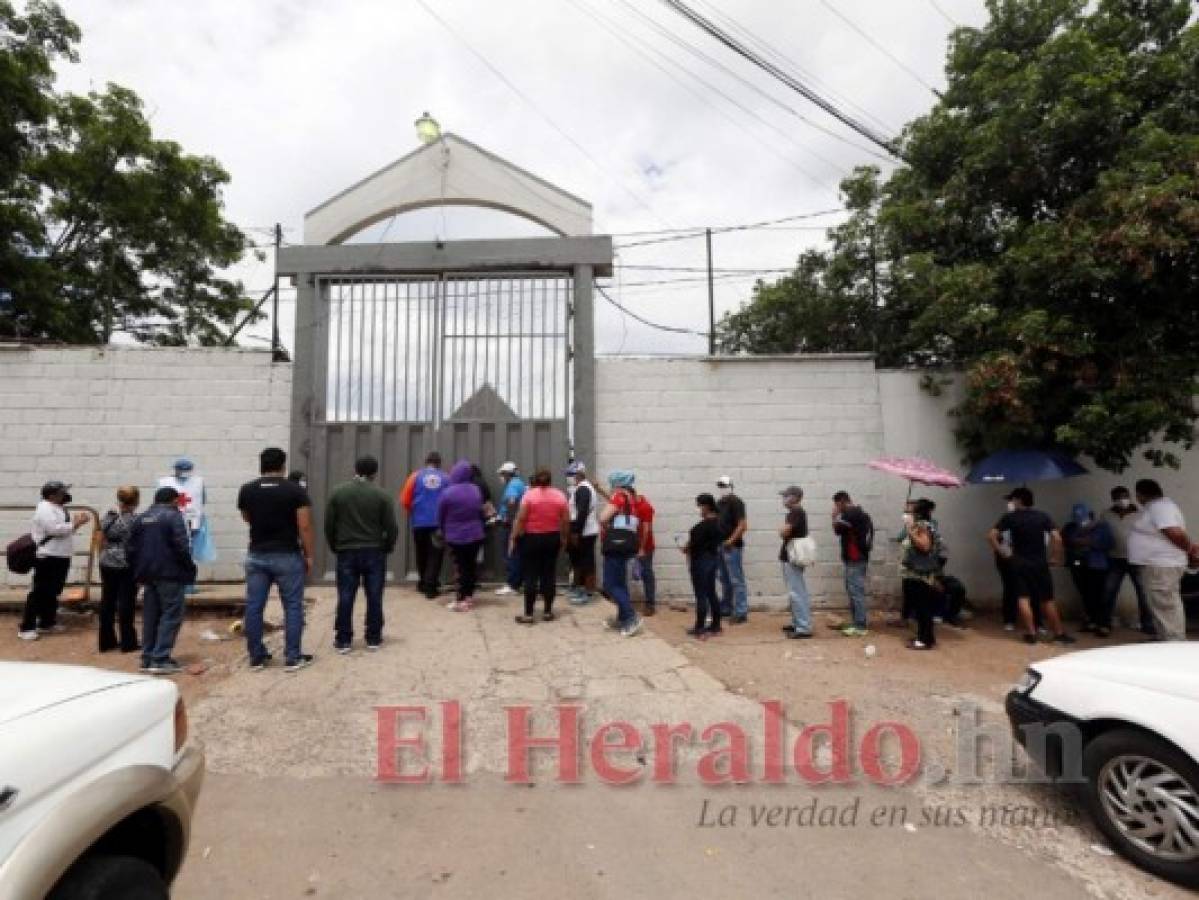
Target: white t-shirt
point(1147, 546)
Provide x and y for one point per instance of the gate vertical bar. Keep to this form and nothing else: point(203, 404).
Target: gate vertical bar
point(584, 365)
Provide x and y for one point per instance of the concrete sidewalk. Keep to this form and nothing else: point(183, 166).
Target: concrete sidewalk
point(291, 807)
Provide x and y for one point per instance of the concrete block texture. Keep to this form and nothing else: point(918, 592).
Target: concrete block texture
point(98, 418)
point(682, 423)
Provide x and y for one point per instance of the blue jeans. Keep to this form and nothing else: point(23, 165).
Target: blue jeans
point(368, 568)
point(514, 575)
point(734, 600)
point(616, 586)
point(649, 581)
point(162, 614)
point(287, 571)
point(801, 601)
point(855, 587)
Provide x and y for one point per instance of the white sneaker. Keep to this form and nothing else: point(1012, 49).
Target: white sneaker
point(28, 635)
point(505, 591)
point(632, 629)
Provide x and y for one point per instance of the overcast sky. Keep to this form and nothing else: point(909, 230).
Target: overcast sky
point(298, 99)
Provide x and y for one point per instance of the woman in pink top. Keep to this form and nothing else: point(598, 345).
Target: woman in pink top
point(540, 531)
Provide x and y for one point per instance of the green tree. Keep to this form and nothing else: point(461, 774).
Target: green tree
point(1043, 232)
point(104, 227)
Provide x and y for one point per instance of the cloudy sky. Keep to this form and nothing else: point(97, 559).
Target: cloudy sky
point(621, 102)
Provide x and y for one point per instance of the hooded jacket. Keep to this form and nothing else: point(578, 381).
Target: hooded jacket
point(460, 508)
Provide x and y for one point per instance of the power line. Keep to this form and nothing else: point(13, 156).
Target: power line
point(729, 228)
point(700, 54)
point(672, 329)
point(880, 47)
point(770, 50)
point(648, 52)
point(529, 102)
point(780, 75)
point(944, 15)
point(704, 269)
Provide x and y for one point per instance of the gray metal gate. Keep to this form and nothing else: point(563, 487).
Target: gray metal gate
point(487, 356)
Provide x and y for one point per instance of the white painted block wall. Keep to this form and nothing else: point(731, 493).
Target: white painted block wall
point(767, 422)
point(99, 418)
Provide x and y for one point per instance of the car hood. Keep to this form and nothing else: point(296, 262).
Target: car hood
point(1167, 668)
point(26, 688)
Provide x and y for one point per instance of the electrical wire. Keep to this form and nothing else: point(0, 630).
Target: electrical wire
point(727, 229)
point(770, 50)
point(944, 15)
point(651, 54)
point(657, 326)
point(780, 75)
point(700, 54)
point(866, 36)
point(495, 70)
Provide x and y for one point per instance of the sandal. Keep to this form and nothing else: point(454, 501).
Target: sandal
point(525, 620)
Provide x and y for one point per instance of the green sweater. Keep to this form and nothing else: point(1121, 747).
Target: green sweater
point(361, 516)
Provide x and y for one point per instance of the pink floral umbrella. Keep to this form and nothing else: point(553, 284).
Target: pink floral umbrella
point(916, 469)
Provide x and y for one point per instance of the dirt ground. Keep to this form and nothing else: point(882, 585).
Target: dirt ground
point(975, 666)
point(207, 661)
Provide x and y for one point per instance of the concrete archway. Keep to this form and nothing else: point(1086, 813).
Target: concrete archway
point(449, 172)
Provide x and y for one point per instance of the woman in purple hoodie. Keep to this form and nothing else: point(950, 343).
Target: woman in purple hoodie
point(460, 520)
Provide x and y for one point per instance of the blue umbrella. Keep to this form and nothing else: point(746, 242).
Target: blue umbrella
point(1023, 466)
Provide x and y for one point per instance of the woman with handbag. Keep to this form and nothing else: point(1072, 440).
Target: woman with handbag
point(118, 592)
point(920, 571)
point(621, 538)
point(797, 553)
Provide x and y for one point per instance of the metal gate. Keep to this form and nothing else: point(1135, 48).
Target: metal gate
point(475, 366)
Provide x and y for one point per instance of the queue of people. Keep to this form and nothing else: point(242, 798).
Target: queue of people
point(1142, 540)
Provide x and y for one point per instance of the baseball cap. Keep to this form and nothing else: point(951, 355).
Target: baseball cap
point(724, 481)
point(793, 490)
point(184, 463)
point(166, 495)
point(508, 468)
point(53, 487)
point(576, 468)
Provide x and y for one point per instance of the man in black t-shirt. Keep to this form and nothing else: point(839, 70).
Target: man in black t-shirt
point(279, 514)
point(1031, 537)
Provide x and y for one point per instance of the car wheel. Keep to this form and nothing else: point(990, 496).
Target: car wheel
point(1143, 793)
point(111, 878)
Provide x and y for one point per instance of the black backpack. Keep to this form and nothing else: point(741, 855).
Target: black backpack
point(21, 554)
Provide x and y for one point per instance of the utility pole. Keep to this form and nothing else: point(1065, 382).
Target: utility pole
point(711, 299)
point(275, 303)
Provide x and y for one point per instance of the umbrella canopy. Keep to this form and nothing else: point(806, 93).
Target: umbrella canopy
point(919, 470)
point(1023, 466)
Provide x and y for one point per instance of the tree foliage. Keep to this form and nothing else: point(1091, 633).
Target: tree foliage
point(1042, 235)
point(103, 227)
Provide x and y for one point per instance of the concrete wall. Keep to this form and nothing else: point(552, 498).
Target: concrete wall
point(98, 418)
point(682, 423)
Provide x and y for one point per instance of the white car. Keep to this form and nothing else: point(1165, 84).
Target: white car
point(1123, 724)
point(97, 783)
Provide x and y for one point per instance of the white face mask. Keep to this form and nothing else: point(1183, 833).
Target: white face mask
point(1011, 506)
point(725, 491)
point(1124, 503)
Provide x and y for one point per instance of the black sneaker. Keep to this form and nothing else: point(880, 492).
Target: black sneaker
point(303, 661)
point(798, 635)
point(787, 629)
point(1064, 638)
point(343, 649)
point(166, 667)
point(377, 645)
point(715, 630)
point(1030, 638)
point(258, 663)
point(740, 620)
point(696, 632)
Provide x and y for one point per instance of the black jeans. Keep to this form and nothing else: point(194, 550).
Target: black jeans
point(924, 600)
point(704, 570)
point(582, 561)
point(118, 597)
point(366, 567)
point(539, 562)
point(49, 578)
point(429, 559)
point(466, 559)
point(1090, 585)
point(1120, 568)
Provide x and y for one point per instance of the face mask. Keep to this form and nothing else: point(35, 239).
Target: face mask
point(725, 491)
point(1011, 506)
point(1124, 503)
